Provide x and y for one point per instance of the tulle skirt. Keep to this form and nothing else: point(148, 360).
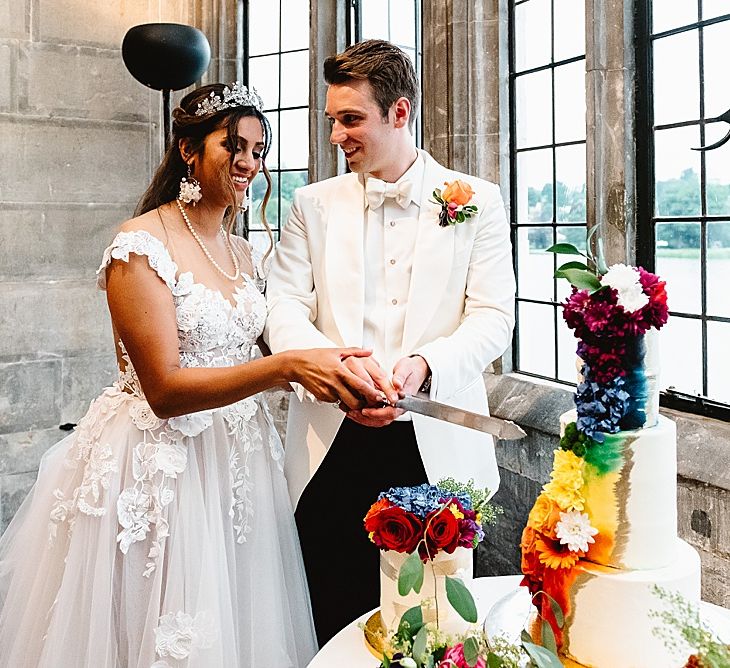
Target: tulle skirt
point(150, 543)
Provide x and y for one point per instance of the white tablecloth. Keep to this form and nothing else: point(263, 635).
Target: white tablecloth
point(348, 648)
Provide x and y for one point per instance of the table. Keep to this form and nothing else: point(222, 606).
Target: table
point(347, 648)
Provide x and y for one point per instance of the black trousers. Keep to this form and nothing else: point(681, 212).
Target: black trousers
point(343, 566)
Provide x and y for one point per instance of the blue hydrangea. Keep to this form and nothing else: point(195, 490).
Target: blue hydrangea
point(600, 407)
point(422, 499)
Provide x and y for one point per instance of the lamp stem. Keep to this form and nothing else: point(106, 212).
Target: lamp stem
point(166, 117)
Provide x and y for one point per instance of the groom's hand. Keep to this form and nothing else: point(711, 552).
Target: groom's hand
point(369, 371)
point(409, 373)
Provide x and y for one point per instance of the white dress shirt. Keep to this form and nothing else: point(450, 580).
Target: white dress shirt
point(389, 242)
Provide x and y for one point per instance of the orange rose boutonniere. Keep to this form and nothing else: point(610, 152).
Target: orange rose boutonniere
point(454, 201)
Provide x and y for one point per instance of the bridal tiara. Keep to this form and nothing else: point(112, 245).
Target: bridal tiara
point(236, 96)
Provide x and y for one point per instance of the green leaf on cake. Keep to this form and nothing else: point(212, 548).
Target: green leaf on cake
point(542, 657)
point(548, 637)
point(419, 645)
point(410, 575)
point(410, 623)
point(525, 637)
point(564, 249)
point(471, 651)
point(493, 661)
point(557, 612)
point(461, 599)
point(581, 279)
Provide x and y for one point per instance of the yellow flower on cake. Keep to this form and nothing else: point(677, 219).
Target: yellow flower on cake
point(544, 516)
point(566, 481)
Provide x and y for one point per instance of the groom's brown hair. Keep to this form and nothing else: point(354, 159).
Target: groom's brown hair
point(387, 68)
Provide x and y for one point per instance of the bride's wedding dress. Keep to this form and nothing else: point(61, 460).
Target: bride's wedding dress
point(150, 543)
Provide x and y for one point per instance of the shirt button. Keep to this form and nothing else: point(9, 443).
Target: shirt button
point(392, 223)
point(392, 262)
point(394, 302)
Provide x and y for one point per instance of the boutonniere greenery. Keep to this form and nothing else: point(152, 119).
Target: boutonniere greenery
point(454, 201)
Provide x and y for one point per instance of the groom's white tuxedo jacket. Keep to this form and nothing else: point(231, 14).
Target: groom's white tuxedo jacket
point(459, 316)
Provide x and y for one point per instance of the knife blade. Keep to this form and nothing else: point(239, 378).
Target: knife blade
point(503, 429)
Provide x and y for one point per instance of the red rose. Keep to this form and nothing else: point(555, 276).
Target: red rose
point(394, 529)
point(442, 532)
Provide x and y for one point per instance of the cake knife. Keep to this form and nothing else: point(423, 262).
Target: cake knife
point(420, 403)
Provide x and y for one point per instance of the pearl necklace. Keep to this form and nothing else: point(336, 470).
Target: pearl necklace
point(230, 277)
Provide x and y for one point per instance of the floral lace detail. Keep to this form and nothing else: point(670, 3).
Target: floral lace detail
point(98, 463)
point(179, 633)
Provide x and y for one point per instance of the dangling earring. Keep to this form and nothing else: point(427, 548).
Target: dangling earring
point(189, 189)
point(245, 202)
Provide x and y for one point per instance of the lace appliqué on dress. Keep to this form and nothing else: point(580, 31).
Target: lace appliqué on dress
point(179, 634)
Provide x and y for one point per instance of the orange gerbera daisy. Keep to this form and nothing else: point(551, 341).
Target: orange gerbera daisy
point(554, 555)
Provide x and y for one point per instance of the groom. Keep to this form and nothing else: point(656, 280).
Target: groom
point(363, 261)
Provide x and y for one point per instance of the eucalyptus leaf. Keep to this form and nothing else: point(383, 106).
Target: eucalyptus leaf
point(548, 637)
point(419, 644)
point(386, 661)
point(411, 622)
point(525, 636)
point(410, 575)
point(542, 657)
point(471, 651)
point(493, 661)
point(581, 279)
point(564, 249)
point(461, 599)
point(557, 611)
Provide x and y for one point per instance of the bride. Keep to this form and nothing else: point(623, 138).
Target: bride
point(160, 533)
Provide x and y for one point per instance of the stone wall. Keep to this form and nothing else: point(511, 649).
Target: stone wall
point(80, 140)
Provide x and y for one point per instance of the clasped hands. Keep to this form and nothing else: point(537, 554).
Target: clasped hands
point(409, 373)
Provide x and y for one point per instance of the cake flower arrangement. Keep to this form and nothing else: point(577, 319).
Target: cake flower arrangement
point(426, 523)
point(610, 310)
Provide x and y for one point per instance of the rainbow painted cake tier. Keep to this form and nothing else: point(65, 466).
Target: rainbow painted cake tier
point(603, 532)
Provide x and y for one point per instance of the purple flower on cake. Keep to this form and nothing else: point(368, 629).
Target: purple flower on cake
point(574, 530)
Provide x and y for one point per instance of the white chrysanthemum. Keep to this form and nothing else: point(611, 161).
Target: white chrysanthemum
point(574, 530)
point(625, 280)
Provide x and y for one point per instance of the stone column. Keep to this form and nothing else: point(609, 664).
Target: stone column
point(326, 37)
point(610, 147)
point(462, 82)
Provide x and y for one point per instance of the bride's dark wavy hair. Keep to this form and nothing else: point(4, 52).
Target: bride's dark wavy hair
point(165, 183)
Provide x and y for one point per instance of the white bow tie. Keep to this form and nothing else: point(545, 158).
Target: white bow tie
point(376, 191)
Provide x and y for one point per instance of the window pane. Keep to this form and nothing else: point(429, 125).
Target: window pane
point(535, 266)
point(375, 19)
point(532, 34)
point(680, 352)
point(272, 160)
point(570, 176)
point(537, 338)
point(295, 139)
point(718, 361)
point(678, 263)
point(718, 270)
point(676, 78)
point(716, 57)
point(667, 15)
point(567, 346)
point(717, 173)
point(677, 170)
point(290, 181)
point(263, 34)
point(570, 28)
point(295, 79)
point(713, 8)
point(570, 102)
point(263, 73)
point(533, 109)
point(258, 189)
point(403, 22)
point(294, 24)
point(535, 186)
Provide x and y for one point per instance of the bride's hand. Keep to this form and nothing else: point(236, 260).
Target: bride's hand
point(323, 372)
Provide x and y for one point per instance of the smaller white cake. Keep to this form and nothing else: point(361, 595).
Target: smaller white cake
point(393, 605)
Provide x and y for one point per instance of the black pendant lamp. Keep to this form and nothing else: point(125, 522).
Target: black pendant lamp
point(166, 57)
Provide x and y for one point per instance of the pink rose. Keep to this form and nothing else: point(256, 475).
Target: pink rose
point(454, 656)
